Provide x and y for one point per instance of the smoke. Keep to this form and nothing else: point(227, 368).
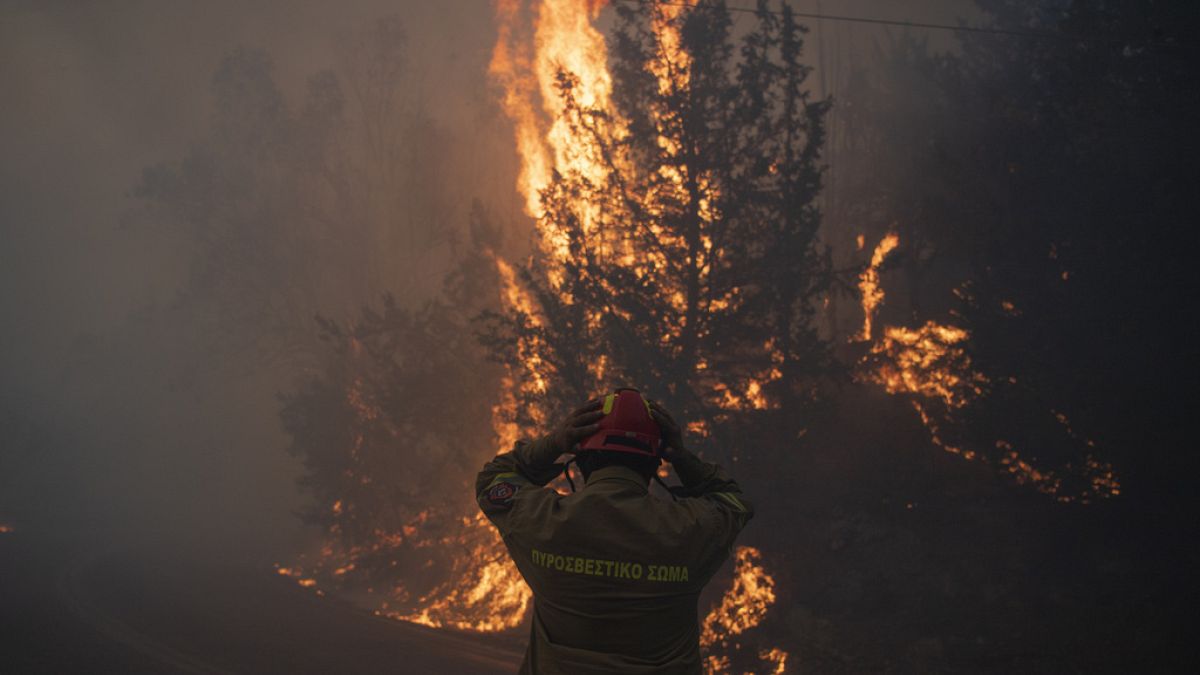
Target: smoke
point(118, 411)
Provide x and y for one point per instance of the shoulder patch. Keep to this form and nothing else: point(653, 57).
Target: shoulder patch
point(501, 493)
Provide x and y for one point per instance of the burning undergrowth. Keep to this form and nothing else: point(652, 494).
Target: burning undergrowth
point(931, 367)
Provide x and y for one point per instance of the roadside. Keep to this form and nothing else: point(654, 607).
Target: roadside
point(68, 606)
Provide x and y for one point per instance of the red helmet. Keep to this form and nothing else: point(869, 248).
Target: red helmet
point(626, 426)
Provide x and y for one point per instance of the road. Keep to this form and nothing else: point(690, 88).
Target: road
point(66, 607)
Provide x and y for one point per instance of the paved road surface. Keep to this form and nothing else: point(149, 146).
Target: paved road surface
point(68, 608)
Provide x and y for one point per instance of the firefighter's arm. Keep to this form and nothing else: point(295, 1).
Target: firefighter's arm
point(715, 506)
point(705, 480)
point(511, 475)
point(530, 465)
point(725, 509)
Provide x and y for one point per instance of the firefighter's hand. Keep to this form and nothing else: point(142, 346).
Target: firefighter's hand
point(578, 426)
point(672, 434)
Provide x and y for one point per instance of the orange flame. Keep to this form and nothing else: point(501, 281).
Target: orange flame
point(484, 591)
point(564, 40)
point(929, 362)
point(743, 607)
point(868, 281)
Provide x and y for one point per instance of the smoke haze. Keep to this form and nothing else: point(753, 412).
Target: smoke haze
point(121, 421)
point(206, 209)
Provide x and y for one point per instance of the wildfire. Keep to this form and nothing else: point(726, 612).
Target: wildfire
point(6, 528)
point(565, 47)
point(930, 365)
point(483, 592)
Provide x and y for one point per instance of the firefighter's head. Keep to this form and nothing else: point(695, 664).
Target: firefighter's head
point(598, 459)
point(627, 436)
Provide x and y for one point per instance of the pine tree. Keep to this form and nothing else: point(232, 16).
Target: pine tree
point(687, 263)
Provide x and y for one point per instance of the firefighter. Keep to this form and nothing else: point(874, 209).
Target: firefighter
point(616, 572)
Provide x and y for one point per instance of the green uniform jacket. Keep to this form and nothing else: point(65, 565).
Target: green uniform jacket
point(616, 572)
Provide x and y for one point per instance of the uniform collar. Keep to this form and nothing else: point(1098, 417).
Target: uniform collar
point(617, 474)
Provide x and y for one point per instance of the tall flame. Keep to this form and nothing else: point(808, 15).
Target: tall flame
point(564, 41)
point(868, 281)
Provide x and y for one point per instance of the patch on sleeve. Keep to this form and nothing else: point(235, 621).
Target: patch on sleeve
point(501, 494)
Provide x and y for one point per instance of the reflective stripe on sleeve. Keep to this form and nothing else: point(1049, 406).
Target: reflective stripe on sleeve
point(732, 500)
point(507, 477)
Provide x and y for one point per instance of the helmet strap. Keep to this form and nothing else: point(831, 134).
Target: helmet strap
point(567, 472)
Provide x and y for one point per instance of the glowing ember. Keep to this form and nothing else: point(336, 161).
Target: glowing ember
point(775, 656)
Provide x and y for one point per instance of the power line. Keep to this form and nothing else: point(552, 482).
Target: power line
point(921, 24)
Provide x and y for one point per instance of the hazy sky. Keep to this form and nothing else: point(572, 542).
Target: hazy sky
point(93, 93)
point(96, 91)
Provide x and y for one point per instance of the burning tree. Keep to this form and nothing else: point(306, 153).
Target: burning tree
point(676, 232)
